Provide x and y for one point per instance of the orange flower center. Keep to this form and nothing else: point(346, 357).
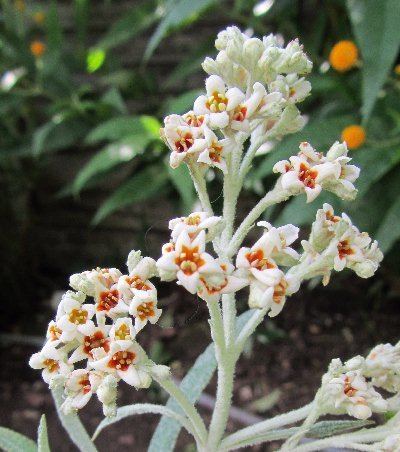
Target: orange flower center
point(146, 310)
point(344, 249)
point(258, 261)
point(280, 291)
point(213, 289)
point(96, 340)
point(108, 300)
point(217, 102)
point(123, 333)
point(122, 360)
point(137, 283)
point(307, 175)
point(51, 364)
point(184, 143)
point(189, 260)
point(54, 332)
point(78, 316)
point(239, 114)
point(348, 389)
point(330, 216)
point(193, 220)
point(194, 121)
point(215, 152)
point(85, 383)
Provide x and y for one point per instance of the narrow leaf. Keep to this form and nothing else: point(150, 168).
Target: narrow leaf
point(11, 441)
point(178, 13)
point(181, 180)
point(192, 385)
point(389, 230)
point(141, 186)
point(43, 438)
point(376, 27)
point(73, 425)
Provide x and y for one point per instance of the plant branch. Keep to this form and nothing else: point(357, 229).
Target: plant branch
point(199, 183)
point(275, 196)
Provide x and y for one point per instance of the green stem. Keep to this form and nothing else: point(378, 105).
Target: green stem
point(201, 188)
point(198, 425)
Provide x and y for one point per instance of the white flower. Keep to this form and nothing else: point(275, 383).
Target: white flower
point(124, 363)
point(182, 139)
point(144, 308)
point(218, 102)
point(214, 285)
point(188, 261)
point(107, 395)
point(80, 385)
point(383, 366)
point(193, 224)
point(349, 392)
point(95, 338)
point(109, 301)
point(52, 361)
point(273, 296)
point(87, 280)
point(138, 279)
point(299, 175)
point(53, 333)
point(122, 331)
point(193, 120)
point(76, 320)
point(292, 88)
point(215, 151)
point(281, 238)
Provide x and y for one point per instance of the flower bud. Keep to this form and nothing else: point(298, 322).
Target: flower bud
point(134, 258)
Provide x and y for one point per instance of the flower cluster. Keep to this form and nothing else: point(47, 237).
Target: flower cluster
point(95, 329)
point(334, 244)
point(184, 258)
point(350, 387)
point(311, 171)
point(252, 90)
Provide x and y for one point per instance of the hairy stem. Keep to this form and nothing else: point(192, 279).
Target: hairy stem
point(201, 187)
point(198, 425)
point(249, 329)
point(275, 196)
point(261, 427)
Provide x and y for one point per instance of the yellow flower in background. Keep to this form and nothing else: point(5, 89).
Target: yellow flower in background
point(397, 69)
point(37, 48)
point(39, 17)
point(20, 5)
point(354, 136)
point(343, 56)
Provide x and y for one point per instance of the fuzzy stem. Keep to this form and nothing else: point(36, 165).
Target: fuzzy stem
point(261, 427)
point(249, 329)
point(250, 154)
point(275, 196)
point(201, 187)
point(364, 436)
point(188, 408)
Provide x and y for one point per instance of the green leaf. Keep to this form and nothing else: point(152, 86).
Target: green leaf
point(138, 408)
point(144, 185)
point(95, 59)
point(72, 424)
point(43, 438)
point(58, 134)
point(133, 23)
point(108, 158)
point(11, 441)
point(114, 99)
point(320, 132)
point(178, 13)
point(122, 126)
point(389, 230)
point(181, 180)
point(54, 29)
point(329, 428)
point(192, 385)
point(376, 27)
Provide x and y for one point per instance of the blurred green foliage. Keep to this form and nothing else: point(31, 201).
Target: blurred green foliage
point(67, 94)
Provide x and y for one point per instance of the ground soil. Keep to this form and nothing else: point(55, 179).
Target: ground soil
point(289, 353)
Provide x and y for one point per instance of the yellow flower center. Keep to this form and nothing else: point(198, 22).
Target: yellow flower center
point(217, 102)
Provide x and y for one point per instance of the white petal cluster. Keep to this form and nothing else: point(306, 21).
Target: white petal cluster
point(345, 389)
point(310, 171)
point(186, 260)
point(382, 365)
point(269, 285)
point(334, 244)
point(253, 88)
point(95, 329)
